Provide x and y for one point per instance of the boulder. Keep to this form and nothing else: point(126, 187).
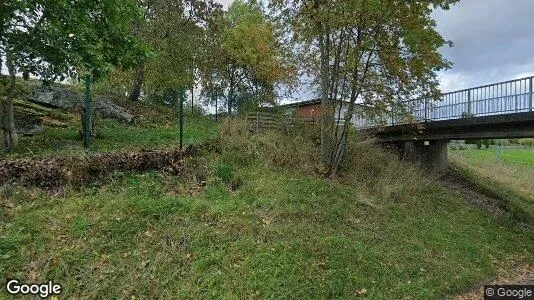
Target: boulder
point(109, 109)
point(64, 98)
point(34, 130)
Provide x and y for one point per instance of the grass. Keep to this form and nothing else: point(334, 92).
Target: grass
point(112, 135)
point(280, 233)
point(508, 156)
point(505, 174)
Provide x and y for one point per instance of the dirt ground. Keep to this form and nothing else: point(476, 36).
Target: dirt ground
point(453, 181)
point(520, 275)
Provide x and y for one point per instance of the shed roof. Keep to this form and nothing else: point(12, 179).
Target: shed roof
point(313, 101)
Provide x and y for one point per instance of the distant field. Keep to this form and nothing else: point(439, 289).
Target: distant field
point(507, 156)
point(505, 173)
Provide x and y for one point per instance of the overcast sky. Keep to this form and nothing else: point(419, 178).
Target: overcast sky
point(493, 41)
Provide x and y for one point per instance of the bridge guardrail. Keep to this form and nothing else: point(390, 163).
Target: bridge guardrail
point(512, 96)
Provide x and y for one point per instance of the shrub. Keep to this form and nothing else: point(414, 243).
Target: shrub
point(291, 150)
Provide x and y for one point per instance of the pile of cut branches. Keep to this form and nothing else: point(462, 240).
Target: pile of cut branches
point(51, 172)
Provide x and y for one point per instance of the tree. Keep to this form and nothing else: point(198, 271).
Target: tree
point(373, 52)
point(244, 56)
point(54, 39)
point(174, 30)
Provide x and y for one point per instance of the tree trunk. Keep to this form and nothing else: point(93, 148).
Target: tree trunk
point(9, 134)
point(231, 91)
point(138, 81)
point(356, 90)
point(326, 103)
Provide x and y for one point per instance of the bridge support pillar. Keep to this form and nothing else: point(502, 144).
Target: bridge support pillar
point(432, 154)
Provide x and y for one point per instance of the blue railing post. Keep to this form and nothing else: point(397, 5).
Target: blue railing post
point(469, 110)
point(426, 110)
point(530, 93)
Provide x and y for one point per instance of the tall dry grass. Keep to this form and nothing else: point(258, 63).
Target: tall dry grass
point(366, 163)
point(382, 170)
point(289, 150)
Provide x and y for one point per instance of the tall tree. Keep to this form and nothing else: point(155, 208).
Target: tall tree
point(373, 52)
point(244, 56)
point(175, 31)
point(58, 38)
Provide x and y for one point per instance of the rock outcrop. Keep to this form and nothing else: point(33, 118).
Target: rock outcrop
point(64, 98)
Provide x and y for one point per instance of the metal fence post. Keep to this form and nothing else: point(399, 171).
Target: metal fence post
point(426, 110)
point(530, 93)
point(469, 110)
point(257, 122)
point(182, 98)
point(216, 107)
point(87, 114)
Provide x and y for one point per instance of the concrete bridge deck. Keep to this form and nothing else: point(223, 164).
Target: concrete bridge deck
point(516, 125)
point(499, 110)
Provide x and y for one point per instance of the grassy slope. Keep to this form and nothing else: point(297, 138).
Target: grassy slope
point(112, 135)
point(281, 234)
point(505, 174)
point(154, 127)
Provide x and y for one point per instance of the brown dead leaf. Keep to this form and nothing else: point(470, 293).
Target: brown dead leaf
point(361, 292)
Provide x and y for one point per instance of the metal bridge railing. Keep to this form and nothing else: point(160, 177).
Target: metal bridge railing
point(513, 96)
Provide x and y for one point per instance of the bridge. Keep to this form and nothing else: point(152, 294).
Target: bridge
point(499, 110)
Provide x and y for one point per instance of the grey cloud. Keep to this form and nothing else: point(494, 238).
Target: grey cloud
point(494, 41)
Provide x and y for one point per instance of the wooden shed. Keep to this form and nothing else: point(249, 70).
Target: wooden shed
point(312, 110)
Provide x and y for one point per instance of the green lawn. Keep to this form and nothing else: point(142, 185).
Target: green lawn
point(251, 232)
point(519, 157)
point(510, 168)
point(112, 135)
point(507, 174)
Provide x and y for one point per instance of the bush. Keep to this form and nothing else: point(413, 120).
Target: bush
point(479, 143)
point(290, 150)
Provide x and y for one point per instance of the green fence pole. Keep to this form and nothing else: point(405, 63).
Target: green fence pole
point(182, 98)
point(192, 99)
point(87, 114)
point(216, 106)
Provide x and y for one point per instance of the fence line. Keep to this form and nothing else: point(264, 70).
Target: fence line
point(512, 96)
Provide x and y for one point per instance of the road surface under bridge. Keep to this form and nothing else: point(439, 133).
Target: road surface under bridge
point(499, 110)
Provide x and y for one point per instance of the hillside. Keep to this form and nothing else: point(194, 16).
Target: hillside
point(251, 217)
point(47, 130)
